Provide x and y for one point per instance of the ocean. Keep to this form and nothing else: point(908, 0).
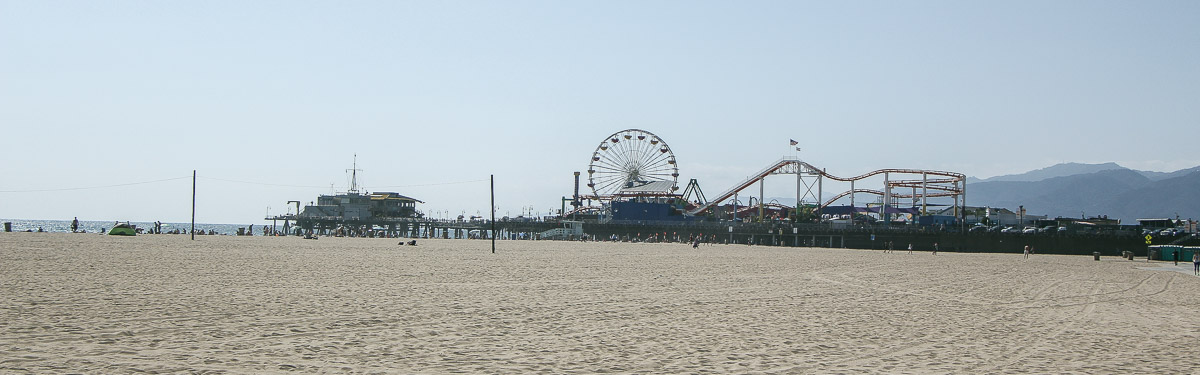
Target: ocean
point(22, 225)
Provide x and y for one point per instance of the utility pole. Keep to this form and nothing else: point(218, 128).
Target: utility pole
point(493, 188)
point(735, 205)
point(193, 205)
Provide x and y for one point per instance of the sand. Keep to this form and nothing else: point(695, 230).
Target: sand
point(87, 303)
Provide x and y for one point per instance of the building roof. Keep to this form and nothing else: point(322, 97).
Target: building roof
point(972, 209)
point(648, 188)
point(846, 210)
point(390, 195)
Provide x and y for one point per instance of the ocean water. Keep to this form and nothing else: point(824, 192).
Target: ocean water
point(22, 225)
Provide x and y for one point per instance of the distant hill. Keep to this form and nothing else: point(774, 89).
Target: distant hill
point(1163, 198)
point(1057, 170)
point(1099, 189)
point(1165, 175)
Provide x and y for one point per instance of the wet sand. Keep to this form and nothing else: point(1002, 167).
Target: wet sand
point(86, 303)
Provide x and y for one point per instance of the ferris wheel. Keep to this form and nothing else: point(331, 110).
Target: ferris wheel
point(631, 157)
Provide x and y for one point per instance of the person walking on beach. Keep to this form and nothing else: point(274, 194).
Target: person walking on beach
point(75, 225)
point(1176, 256)
point(1026, 252)
point(935, 248)
point(1196, 262)
point(910, 249)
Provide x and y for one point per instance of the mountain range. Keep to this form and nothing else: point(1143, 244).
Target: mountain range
point(1106, 189)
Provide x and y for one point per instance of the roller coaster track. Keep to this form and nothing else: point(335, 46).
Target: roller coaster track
point(944, 184)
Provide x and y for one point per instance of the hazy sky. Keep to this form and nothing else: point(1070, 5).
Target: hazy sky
point(283, 94)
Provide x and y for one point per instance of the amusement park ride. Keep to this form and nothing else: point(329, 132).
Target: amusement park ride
point(632, 160)
point(636, 165)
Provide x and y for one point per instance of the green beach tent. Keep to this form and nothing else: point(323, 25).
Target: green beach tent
point(123, 229)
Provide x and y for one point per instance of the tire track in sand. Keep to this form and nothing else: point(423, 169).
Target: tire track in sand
point(1013, 356)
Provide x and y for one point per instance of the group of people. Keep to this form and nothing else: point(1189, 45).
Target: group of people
point(1195, 261)
point(156, 228)
point(889, 245)
point(697, 240)
point(663, 237)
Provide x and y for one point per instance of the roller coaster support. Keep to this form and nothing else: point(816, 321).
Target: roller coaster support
point(887, 199)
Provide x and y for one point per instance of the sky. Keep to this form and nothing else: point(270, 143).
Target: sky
point(106, 108)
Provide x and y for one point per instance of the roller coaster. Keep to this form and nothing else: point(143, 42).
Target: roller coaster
point(921, 185)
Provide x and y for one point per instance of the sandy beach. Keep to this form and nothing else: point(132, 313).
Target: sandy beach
point(87, 303)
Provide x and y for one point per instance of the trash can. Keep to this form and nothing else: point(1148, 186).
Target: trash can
point(1096, 254)
point(7, 226)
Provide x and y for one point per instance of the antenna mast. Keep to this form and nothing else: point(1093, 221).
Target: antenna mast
point(354, 175)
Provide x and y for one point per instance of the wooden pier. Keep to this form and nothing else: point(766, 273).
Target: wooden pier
point(764, 234)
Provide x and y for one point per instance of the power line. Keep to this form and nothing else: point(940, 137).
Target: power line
point(326, 187)
point(436, 184)
point(94, 187)
point(225, 180)
point(262, 183)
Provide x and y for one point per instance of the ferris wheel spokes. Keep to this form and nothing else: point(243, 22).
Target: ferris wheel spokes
point(628, 157)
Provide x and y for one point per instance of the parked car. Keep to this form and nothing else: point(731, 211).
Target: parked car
point(978, 229)
point(863, 219)
point(1008, 230)
point(1029, 230)
point(1167, 232)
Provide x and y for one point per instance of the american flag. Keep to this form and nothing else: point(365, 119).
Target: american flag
point(793, 142)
